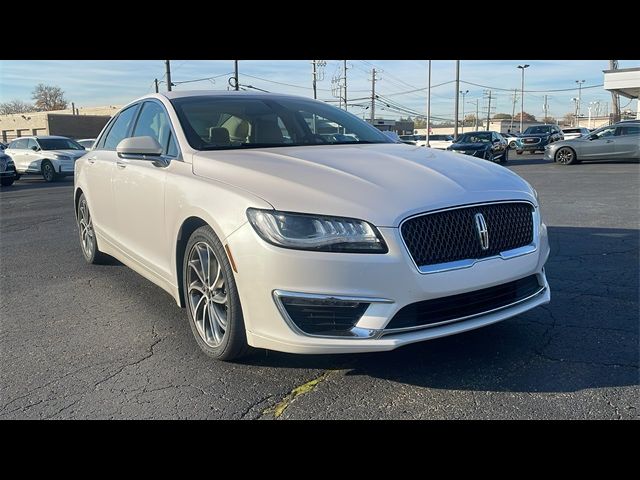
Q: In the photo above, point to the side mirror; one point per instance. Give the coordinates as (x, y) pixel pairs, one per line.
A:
(35, 148)
(139, 148)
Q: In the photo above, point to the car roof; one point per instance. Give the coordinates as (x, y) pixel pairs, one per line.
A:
(225, 93)
(41, 137)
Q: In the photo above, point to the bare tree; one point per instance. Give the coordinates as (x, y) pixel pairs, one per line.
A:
(48, 97)
(15, 106)
(549, 120)
(526, 116)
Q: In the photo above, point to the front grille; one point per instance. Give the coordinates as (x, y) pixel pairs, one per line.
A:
(452, 235)
(430, 312)
(531, 140)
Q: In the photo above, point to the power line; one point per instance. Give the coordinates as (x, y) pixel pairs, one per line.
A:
(532, 91)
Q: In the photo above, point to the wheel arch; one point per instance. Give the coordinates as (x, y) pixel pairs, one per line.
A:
(76, 200)
(188, 226)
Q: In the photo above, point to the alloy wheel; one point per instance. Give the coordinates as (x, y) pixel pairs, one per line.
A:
(47, 172)
(565, 156)
(87, 235)
(207, 294)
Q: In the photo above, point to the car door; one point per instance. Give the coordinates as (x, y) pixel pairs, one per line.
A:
(99, 170)
(139, 191)
(32, 155)
(600, 145)
(627, 141)
(16, 151)
(497, 145)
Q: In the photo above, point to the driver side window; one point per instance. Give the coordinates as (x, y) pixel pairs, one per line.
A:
(607, 132)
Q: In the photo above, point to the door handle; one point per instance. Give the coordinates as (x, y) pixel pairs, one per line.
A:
(92, 160)
(121, 165)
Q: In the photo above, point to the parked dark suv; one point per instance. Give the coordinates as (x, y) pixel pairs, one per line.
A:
(488, 145)
(537, 137)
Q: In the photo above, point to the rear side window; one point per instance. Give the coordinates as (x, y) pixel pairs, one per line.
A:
(628, 130)
(120, 128)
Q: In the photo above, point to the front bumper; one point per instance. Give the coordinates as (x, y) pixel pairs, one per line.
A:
(263, 269)
(520, 145)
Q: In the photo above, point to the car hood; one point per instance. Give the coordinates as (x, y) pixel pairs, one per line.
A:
(68, 153)
(382, 183)
(469, 146)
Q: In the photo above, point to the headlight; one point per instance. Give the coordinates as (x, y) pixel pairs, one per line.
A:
(316, 232)
(62, 157)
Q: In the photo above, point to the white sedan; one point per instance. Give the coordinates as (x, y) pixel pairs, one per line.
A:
(273, 236)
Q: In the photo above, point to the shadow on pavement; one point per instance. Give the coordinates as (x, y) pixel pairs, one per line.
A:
(33, 183)
(587, 337)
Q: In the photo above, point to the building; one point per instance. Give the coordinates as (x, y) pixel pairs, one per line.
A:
(625, 82)
(87, 123)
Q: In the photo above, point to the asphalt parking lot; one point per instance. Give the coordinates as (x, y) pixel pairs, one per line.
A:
(89, 342)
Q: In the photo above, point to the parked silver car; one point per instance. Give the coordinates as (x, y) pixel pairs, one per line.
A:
(52, 157)
(7, 170)
(618, 141)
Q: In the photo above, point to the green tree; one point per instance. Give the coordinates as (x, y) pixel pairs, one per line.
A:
(502, 116)
(48, 97)
(15, 106)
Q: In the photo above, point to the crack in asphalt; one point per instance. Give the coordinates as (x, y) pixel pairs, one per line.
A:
(253, 405)
(149, 354)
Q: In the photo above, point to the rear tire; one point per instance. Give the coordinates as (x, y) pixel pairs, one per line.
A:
(519, 152)
(211, 295)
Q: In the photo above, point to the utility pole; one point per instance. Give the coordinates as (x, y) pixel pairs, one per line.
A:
(477, 114)
(455, 126)
(314, 74)
(373, 95)
(615, 99)
(489, 112)
(235, 65)
(513, 110)
(546, 107)
(167, 65)
(464, 94)
(428, 104)
(579, 82)
(156, 82)
(522, 67)
(575, 114)
(345, 85)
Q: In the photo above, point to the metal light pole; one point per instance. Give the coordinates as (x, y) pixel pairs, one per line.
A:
(522, 99)
(463, 96)
(579, 82)
(455, 125)
(429, 104)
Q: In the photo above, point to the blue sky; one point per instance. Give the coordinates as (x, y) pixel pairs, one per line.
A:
(115, 82)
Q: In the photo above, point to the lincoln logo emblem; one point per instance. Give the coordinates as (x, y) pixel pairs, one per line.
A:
(483, 233)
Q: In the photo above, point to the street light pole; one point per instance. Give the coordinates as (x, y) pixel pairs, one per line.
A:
(463, 97)
(579, 82)
(522, 67)
(455, 125)
(429, 104)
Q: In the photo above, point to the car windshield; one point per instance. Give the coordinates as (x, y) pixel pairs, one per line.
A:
(223, 123)
(538, 129)
(572, 130)
(478, 137)
(59, 144)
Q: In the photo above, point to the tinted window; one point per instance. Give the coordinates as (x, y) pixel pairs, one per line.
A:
(58, 144)
(629, 130)
(119, 129)
(605, 132)
(477, 137)
(19, 144)
(538, 129)
(153, 122)
(224, 122)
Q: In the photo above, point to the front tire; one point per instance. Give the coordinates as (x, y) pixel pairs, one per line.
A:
(488, 156)
(213, 303)
(88, 242)
(505, 156)
(7, 182)
(519, 152)
(48, 172)
(565, 156)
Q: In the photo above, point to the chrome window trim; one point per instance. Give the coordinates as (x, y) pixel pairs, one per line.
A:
(357, 332)
(392, 331)
(470, 262)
